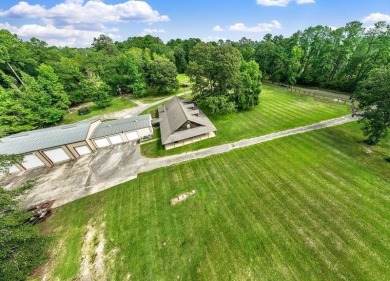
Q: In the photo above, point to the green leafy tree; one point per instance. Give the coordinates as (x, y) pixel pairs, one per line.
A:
(21, 247)
(49, 83)
(104, 44)
(14, 116)
(131, 68)
(162, 74)
(98, 90)
(293, 65)
(249, 94)
(6, 161)
(70, 76)
(180, 59)
(220, 104)
(215, 72)
(373, 97)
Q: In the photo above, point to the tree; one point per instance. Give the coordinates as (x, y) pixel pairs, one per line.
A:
(49, 83)
(249, 94)
(162, 74)
(104, 43)
(70, 76)
(215, 72)
(14, 116)
(6, 161)
(180, 60)
(21, 247)
(131, 68)
(293, 65)
(98, 90)
(373, 97)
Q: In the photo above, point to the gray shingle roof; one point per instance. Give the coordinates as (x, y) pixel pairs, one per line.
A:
(44, 138)
(122, 125)
(176, 113)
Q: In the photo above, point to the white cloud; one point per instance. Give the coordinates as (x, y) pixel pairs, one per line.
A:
(301, 2)
(91, 11)
(151, 31)
(64, 36)
(375, 17)
(218, 28)
(76, 22)
(261, 27)
(282, 3)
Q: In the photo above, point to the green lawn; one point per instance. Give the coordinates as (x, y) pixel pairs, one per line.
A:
(153, 96)
(313, 206)
(116, 105)
(183, 78)
(279, 109)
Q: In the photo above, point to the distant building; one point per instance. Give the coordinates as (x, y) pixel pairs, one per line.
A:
(45, 147)
(183, 122)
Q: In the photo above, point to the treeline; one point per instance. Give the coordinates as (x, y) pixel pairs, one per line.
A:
(38, 83)
(322, 56)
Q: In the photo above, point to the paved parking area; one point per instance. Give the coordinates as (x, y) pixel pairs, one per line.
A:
(69, 181)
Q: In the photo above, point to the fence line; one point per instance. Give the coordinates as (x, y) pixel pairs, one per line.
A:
(308, 92)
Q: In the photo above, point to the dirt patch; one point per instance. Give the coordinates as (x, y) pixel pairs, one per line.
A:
(92, 253)
(368, 150)
(182, 197)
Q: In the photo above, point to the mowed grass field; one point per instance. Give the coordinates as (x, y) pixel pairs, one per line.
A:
(279, 110)
(314, 206)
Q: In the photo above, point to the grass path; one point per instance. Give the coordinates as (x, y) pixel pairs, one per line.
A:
(117, 104)
(313, 206)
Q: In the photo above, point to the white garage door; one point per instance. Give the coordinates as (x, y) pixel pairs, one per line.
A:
(83, 150)
(13, 169)
(32, 161)
(57, 155)
(145, 132)
(131, 136)
(102, 142)
(116, 139)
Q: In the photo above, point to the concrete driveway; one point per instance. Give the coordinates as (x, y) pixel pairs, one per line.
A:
(69, 181)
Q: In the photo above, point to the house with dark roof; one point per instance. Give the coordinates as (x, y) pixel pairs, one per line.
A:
(183, 122)
(45, 147)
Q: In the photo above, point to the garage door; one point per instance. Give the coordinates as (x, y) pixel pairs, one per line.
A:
(13, 169)
(131, 136)
(116, 139)
(57, 155)
(83, 150)
(32, 161)
(102, 142)
(143, 132)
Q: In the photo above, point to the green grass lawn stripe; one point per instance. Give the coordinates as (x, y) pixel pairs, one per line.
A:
(312, 206)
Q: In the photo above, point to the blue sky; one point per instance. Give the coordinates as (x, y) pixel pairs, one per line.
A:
(76, 22)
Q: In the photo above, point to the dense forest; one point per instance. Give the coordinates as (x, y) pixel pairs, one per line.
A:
(38, 83)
